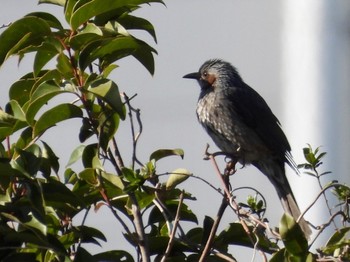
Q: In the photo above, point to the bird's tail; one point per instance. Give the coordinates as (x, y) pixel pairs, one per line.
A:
(277, 176)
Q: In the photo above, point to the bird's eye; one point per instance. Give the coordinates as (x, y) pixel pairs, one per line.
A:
(205, 74)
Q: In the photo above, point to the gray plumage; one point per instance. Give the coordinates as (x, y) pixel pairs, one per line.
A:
(242, 125)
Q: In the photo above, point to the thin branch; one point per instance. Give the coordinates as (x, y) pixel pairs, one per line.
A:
(316, 198)
(223, 256)
(109, 204)
(135, 136)
(213, 230)
(142, 239)
(5, 25)
(218, 190)
(173, 232)
(82, 223)
(117, 159)
(230, 169)
(325, 225)
(324, 194)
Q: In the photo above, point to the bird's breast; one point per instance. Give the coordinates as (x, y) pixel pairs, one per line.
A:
(227, 130)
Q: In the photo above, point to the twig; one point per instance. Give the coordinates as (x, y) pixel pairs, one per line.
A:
(216, 167)
(324, 194)
(5, 25)
(82, 223)
(232, 202)
(323, 227)
(218, 190)
(213, 230)
(117, 161)
(172, 235)
(135, 137)
(223, 256)
(110, 206)
(316, 198)
(135, 208)
(142, 239)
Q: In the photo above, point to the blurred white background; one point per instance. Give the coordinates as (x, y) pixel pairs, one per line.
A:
(294, 53)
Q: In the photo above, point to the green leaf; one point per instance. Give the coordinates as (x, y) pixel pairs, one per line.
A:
(279, 256)
(25, 32)
(144, 199)
(98, 7)
(6, 119)
(89, 153)
(285, 256)
(157, 245)
(89, 234)
(108, 48)
(337, 240)
(46, 52)
(68, 9)
(89, 175)
(108, 125)
(162, 153)
(82, 255)
(107, 70)
(20, 90)
(58, 196)
(29, 160)
(108, 92)
(50, 155)
(35, 223)
(114, 180)
(292, 236)
(129, 174)
(145, 57)
(90, 33)
(53, 76)
(8, 124)
(114, 255)
(16, 110)
(70, 177)
(185, 213)
(7, 175)
(48, 18)
(64, 66)
(55, 2)
(57, 114)
(86, 130)
(207, 227)
(76, 155)
(177, 177)
(133, 22)
(40, 97)
(111, 49)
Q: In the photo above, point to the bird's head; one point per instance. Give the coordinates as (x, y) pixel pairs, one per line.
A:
(216, 74)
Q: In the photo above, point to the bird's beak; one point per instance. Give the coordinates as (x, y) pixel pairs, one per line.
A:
(195, 75)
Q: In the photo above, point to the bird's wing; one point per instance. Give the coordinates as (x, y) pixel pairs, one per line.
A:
(256, 114)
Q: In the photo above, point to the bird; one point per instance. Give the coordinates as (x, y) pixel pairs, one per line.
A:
(242, 125)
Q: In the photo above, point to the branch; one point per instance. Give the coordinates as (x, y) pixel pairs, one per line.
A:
(135, 136)
(317, 197)
(172, 236)
(325, 225)
(103, 193)
(5, 25)
(213, 230)
(230, 169)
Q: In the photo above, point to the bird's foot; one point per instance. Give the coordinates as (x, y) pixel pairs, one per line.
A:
(230, 167)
